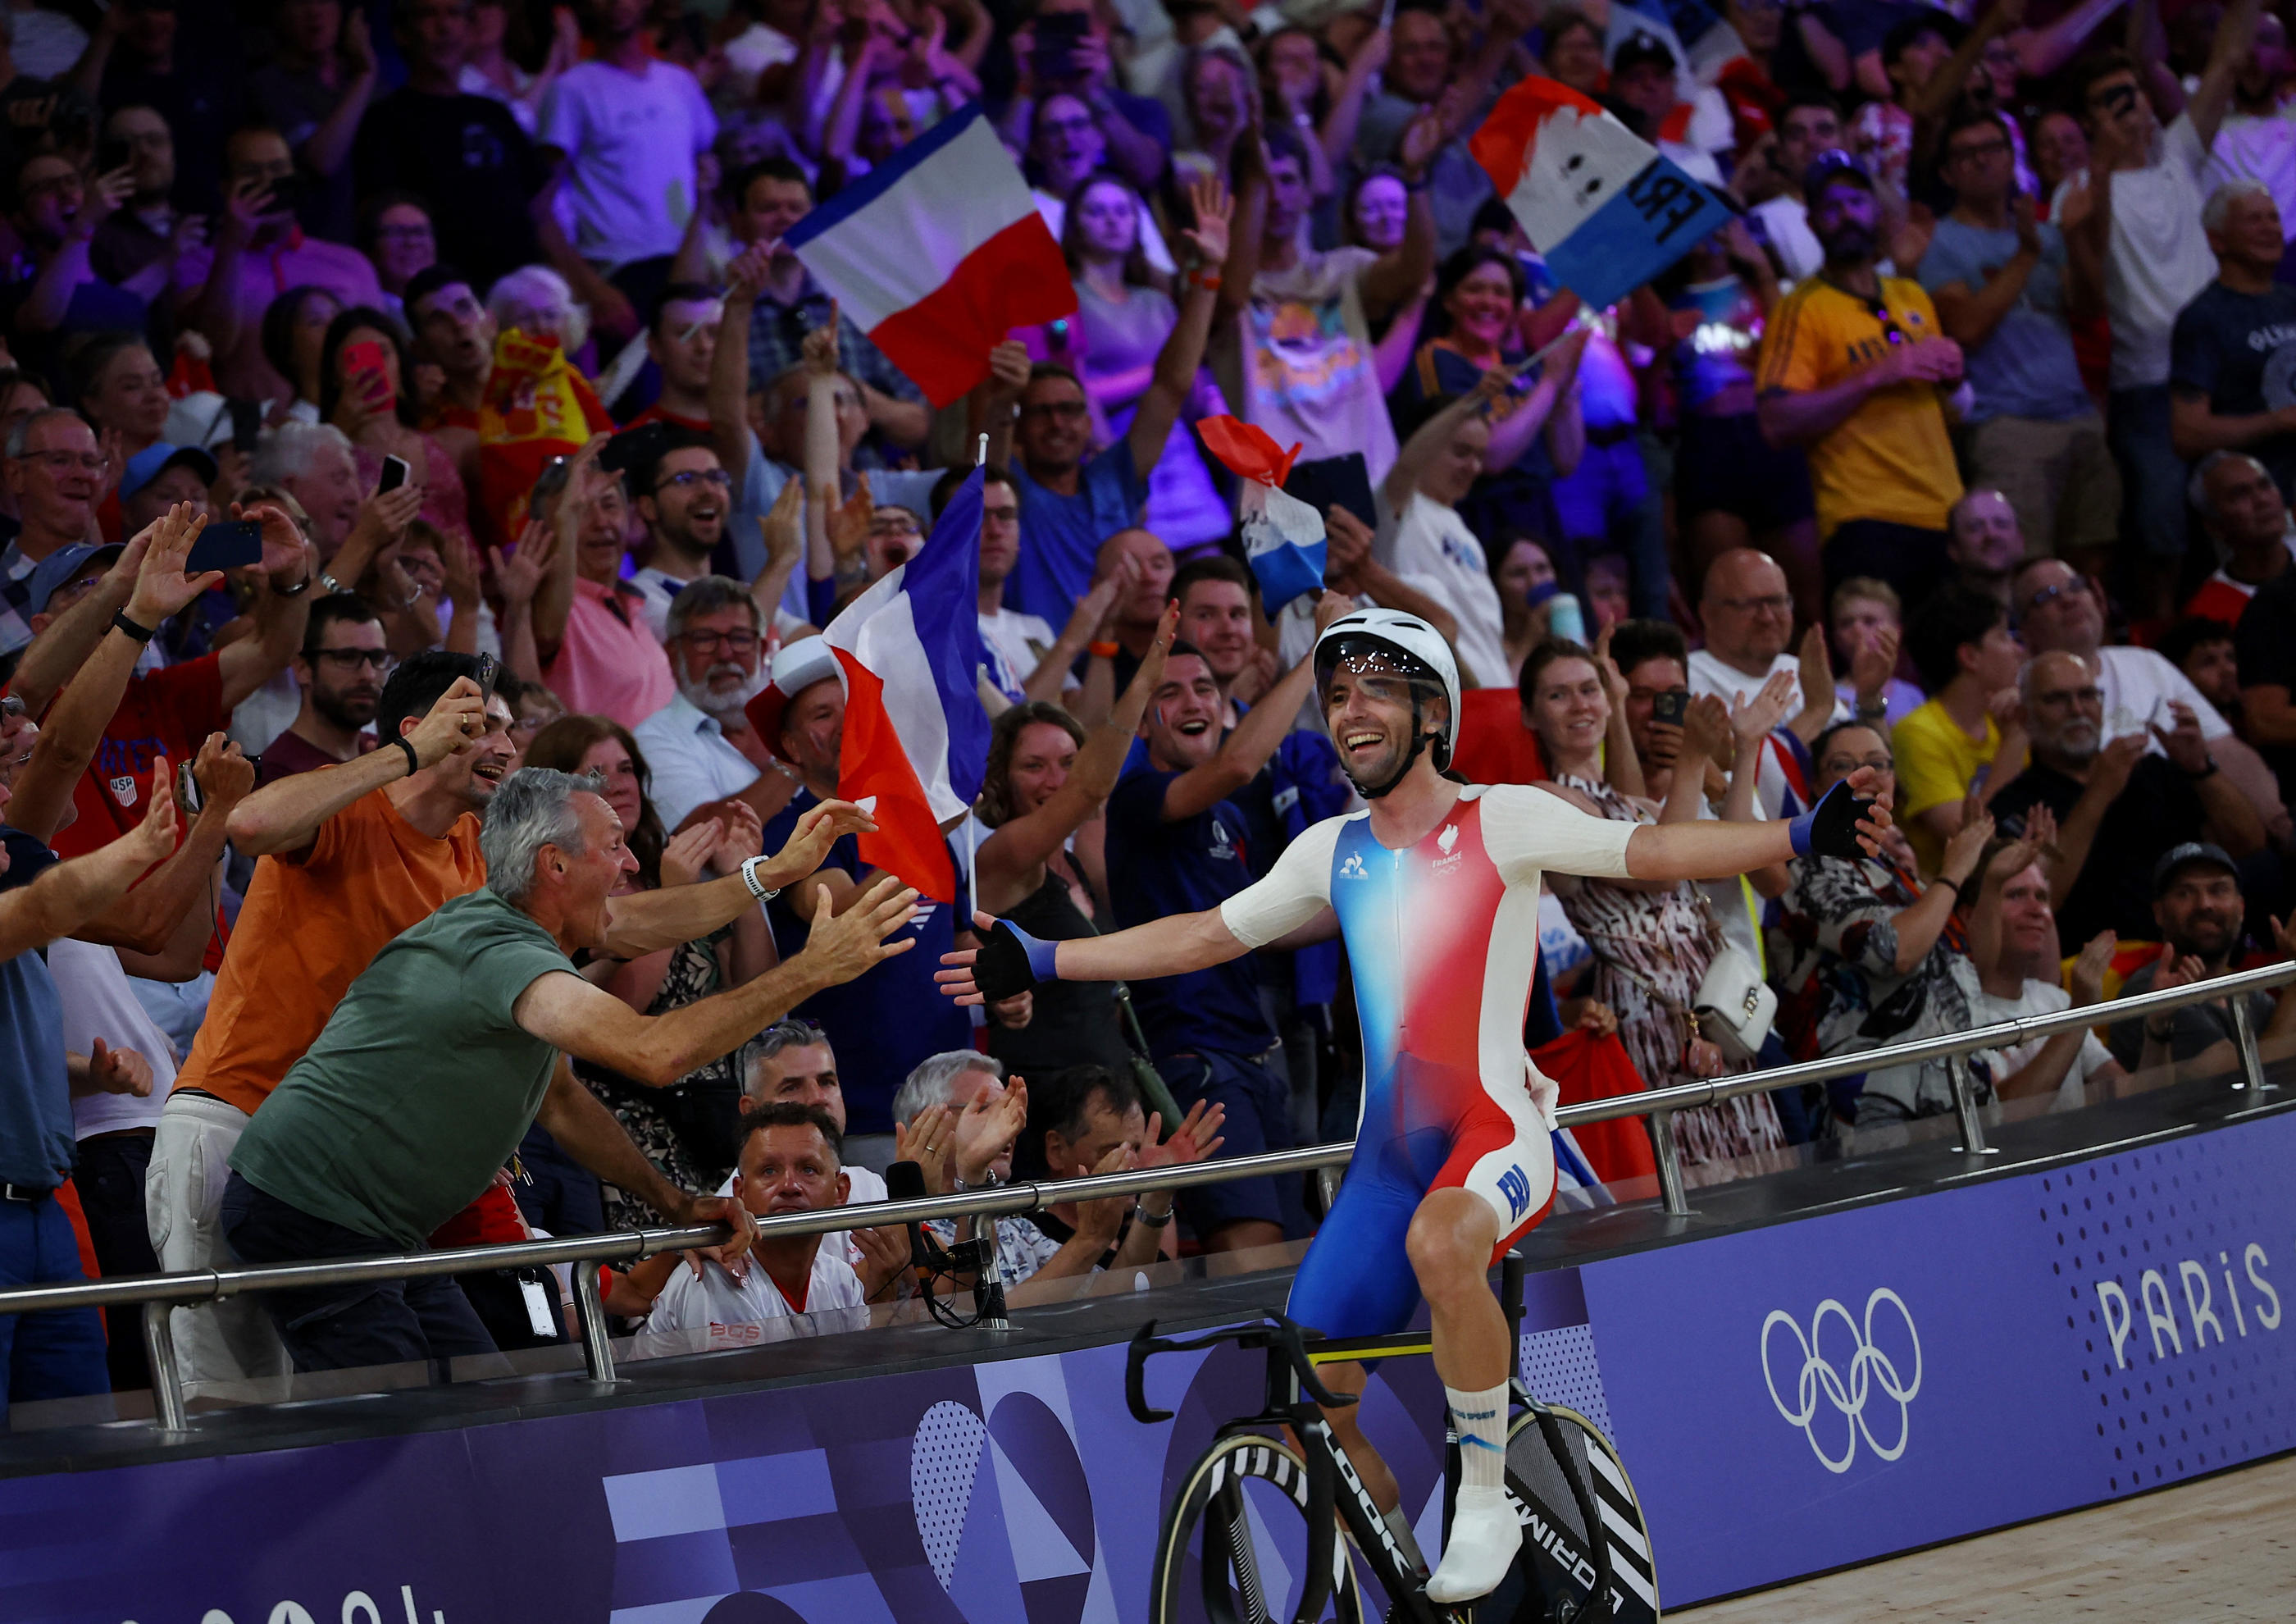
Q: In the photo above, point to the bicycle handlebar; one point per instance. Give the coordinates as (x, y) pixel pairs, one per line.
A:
(1272, 1331)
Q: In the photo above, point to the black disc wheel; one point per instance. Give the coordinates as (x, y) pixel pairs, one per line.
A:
(1234, 1548)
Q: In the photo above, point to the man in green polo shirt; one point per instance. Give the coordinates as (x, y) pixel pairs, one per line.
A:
(449, 1046)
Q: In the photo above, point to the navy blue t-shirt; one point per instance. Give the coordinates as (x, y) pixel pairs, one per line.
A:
(2239, 350)
(35, 1114)
(882, 1024)
(1157, 868)
(1060, 535)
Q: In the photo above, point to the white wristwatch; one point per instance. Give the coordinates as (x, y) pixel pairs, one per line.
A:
(749, 867)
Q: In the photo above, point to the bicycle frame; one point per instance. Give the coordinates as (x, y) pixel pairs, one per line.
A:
(1294, 1397)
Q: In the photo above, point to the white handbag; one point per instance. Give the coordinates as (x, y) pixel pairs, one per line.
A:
(1735, 1007)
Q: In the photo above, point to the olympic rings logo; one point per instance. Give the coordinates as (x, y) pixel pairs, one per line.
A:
(1871, 1370)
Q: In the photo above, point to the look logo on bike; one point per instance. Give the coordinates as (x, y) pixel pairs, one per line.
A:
(1434, 889)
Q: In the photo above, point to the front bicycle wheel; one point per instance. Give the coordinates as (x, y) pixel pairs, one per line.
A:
(1235, 1544)
(1554, 1581)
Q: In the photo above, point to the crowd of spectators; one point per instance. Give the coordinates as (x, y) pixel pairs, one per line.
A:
(468, 855)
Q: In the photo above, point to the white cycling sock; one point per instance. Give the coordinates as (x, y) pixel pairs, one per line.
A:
(1481, 1420)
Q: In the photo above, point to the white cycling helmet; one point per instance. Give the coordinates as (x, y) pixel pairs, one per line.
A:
(1415, 649)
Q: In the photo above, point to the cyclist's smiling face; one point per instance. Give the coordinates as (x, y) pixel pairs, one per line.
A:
(1183, 724)
(1367, 705)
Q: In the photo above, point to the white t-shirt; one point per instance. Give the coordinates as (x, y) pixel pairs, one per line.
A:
(1431, 548)
(2040, 999)
(2159, 258)
(2258, 148)
(865, 1187)
(1308, 373)
(631, 140)
(2138, 685)
(99, 1003)
(736, 1313)
(1015, 642)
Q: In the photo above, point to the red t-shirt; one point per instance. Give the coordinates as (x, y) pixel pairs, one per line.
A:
(2223, 599)
(168, 713)
(654, 414)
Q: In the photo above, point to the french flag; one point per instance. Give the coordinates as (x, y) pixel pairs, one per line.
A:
(938, 253)
(915, 735)
(1284, 539)
(1596, 199)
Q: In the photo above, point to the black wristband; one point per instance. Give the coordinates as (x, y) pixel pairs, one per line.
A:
(414, 761)
(2205, 774)
(1949, 879)
(142, 634)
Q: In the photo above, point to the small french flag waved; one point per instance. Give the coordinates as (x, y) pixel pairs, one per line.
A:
(1283, 537)
(915, 736)
(1597, 200)
(938, 253)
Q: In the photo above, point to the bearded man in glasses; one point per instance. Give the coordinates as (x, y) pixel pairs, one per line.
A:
(701, 747)
(341, 669)
(1857, 370)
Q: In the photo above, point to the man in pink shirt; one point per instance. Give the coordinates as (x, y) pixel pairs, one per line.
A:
(591, 637)
(260, 252)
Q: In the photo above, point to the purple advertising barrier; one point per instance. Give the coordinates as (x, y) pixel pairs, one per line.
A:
(1826, 1391)
(1015, 1492)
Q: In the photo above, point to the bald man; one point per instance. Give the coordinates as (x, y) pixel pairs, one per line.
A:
(1984, 542)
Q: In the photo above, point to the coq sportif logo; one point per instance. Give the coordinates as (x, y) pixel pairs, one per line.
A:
(1834, 1376)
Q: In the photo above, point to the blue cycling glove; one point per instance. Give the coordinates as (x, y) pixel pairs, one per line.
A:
(1012, 961)
(1830, 828)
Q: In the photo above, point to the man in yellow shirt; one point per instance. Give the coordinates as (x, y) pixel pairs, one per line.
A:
(1857, 371)
(1970, 734)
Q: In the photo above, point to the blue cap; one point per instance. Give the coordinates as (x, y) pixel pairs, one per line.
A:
(61, 567)
(156, 458)
(1830, 165)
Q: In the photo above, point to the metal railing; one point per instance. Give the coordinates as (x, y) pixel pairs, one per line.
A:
(157, 1293)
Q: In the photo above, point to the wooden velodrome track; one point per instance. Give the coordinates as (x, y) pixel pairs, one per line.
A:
(2223, 1548)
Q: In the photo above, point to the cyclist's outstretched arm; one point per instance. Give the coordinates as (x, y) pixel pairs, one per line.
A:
(1721, 850)
(1173, 945)
(1293, 893)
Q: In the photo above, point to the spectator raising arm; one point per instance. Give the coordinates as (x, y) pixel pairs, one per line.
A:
(728, 392)
(2206, 110)
(284, 816)
(1350, 568)
(1011, 861)
(1183, 351)
(1398, 275)
(644, 922)
(67, 897)
(1255, 739)
(156, 588)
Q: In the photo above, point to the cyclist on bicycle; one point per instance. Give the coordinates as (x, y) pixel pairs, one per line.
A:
(1435, 890)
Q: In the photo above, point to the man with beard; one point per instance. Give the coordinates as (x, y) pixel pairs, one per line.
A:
(681, 493)
(700, 746)
(2117, 807)
(341, 670)
(1852, 369)
(2202, 918)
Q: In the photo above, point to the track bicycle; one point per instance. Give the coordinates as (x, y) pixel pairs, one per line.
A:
(1263, 1530)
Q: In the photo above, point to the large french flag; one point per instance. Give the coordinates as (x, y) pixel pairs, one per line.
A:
(1596, 199)
(915, 736)
(938, 253)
